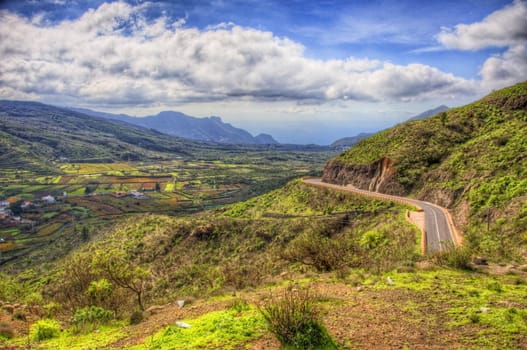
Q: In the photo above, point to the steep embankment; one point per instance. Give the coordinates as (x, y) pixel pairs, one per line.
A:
(471, 159)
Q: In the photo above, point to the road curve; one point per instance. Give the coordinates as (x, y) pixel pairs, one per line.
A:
(439, 228)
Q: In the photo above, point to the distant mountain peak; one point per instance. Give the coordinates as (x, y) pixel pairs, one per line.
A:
(265, 139)
(430, 112)
(347, 142)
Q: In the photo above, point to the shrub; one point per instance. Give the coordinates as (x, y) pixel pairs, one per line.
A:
(314, 249)
(10, 288)
(100, 291)
(19, 315)
(495, 286)
(474, 317)
(51, 308)
(43, 329)
(240, 275)
(239, 305)
(296, 323)
(456, 257)
(90, 317)
(372, 239)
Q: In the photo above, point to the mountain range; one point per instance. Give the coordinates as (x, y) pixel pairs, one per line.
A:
(34, 136)
(211, 129)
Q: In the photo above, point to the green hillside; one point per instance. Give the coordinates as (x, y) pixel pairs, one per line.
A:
(236, 247)
(118, 285)
(358, 257)
(243, 244)
(37, 131)
(472, 159)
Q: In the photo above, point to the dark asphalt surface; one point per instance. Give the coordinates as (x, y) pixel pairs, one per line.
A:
(438, 233)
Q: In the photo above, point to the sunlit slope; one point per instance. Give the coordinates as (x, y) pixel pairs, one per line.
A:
(472, 159)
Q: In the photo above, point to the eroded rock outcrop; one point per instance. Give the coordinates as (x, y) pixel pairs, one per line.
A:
(379, 176)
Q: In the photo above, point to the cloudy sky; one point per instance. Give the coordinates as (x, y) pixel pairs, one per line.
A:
(304, 71)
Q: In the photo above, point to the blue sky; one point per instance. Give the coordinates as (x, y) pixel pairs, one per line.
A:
(304, 71)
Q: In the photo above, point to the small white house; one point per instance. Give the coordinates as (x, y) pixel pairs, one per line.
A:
(49, 199)
(137, 194)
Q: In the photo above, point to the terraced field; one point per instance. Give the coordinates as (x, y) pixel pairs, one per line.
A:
(89, 196)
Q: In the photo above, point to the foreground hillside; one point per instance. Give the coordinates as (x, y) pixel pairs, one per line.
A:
(356, 258)
(471, 159)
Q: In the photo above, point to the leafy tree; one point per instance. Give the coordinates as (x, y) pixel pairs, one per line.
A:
(117, 268)
(100, 291)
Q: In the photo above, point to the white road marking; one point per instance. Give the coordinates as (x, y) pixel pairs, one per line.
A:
(437, 230)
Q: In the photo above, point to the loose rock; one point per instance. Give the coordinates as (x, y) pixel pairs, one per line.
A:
(183, 324)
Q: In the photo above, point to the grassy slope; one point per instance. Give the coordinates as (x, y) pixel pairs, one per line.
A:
(52, 132)
(239, 248)
(472, 159)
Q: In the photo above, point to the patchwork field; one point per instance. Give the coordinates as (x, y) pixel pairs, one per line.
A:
(89, 195)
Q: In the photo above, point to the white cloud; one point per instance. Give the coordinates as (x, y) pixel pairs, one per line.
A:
(502, 28)
(114, 55)
(505, 69)
(506, 28)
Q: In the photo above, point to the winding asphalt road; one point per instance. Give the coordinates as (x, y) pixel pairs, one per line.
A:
(438, 226)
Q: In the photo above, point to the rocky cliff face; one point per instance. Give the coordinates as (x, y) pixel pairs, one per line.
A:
(379, 176)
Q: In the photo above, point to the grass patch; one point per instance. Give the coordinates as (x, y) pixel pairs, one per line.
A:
(67, 340)
(44, 329)
(227, 329)
(49, 229)
(492, 304)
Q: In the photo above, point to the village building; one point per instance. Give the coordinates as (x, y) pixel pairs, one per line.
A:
(4, 213)
(49, 199)
(148, 186)
(13, 199)
(137, 194)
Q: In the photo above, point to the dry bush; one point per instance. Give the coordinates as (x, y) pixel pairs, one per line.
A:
(295, 321)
